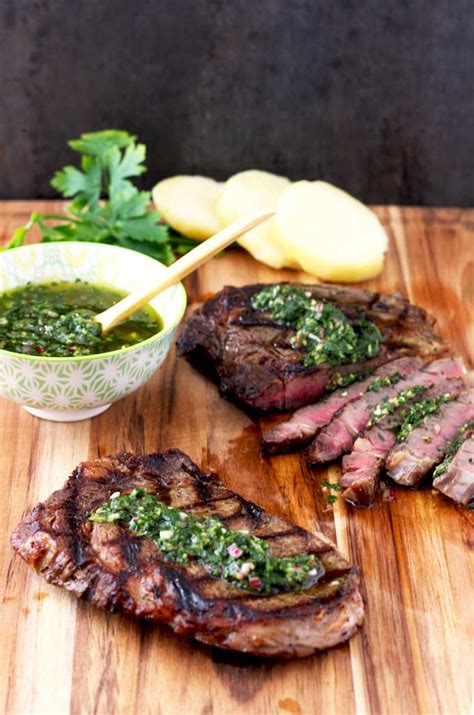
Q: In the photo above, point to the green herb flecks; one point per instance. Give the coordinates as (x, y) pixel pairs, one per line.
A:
(344, 380)
(331, 487)
(58, 320)
(418, 412)
(323, 330)
(386, 381)
(234, 556)
(391, 404)
(453, 448)
(106, 207)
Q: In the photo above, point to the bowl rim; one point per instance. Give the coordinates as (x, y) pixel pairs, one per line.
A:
(120, 351)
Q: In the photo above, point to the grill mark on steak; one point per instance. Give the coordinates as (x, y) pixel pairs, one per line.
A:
(280, 534)
(203, 488)
(70, 511)
(130, 549)
(255, 363)
(189, 599)
(116, 570)
(254, 512)
(209, 501)
(338, 437)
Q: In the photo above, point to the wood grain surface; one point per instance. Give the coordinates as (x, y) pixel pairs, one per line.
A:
(414, 653)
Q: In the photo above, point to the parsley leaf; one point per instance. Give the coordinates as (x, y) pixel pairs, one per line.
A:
(98, 143)
(106, 206)
(85, 185)
(331, 485)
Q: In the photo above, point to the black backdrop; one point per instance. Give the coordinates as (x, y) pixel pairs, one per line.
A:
(376, 96)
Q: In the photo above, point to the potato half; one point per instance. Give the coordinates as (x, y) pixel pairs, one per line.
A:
(188, 203)
(248, 192)
(330, 234)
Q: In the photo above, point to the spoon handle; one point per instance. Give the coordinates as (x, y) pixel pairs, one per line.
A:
(178, 270)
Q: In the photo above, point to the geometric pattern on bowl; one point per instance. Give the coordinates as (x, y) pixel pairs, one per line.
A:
(68, 384)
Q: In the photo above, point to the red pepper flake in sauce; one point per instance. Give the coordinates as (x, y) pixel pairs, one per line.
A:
(234, 551)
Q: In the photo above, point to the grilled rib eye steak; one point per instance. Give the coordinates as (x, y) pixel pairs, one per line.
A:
(107, 564)
(338, 437)
(304, 424)
(457, 481)
(255, 363)
(427, 445)
(362, 467)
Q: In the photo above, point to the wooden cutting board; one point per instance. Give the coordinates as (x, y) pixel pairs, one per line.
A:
(414, 653)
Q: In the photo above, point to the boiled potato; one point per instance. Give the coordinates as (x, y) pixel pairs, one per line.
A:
(329, 233)
(248, 192)
(187, 203)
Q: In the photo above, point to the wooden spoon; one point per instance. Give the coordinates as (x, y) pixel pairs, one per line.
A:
(185, 265)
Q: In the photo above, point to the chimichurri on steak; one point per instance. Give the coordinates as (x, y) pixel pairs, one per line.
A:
(323, 330)
(235, 556)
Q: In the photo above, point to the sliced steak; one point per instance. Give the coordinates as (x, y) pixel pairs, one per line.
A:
(426, 446)
(456, 480)
(340, 434)
(301, 428)
(111, 566)
(255, 362)
(362, 467)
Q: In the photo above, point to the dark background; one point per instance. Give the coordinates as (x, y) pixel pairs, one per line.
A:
(375, 96)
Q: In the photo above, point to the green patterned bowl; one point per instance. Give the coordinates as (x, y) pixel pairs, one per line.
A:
(70, 389)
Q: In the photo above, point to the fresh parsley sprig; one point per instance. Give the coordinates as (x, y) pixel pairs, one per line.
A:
(106, 207)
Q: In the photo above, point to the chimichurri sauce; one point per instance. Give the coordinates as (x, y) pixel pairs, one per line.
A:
(391, 404)
(57, 320)
(418, 412)
(231, 555)
(323, 331)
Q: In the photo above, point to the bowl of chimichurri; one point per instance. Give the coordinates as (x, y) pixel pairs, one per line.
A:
(54, 361)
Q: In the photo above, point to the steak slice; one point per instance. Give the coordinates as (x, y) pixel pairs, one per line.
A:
(457, 480)
(426, 446)
(362, 467)
(340, 434)
(301, 428)
(255, 363)
(109, 565)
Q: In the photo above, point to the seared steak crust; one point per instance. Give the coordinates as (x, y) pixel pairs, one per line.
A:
(252, 357)
(111, 567)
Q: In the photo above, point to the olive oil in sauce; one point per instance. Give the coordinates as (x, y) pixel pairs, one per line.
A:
(57, 320)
